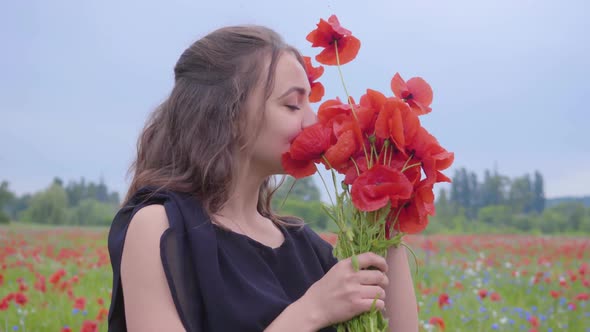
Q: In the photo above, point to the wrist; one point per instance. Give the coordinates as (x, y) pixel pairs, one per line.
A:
(309, 317)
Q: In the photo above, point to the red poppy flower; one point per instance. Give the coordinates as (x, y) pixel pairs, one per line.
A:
(334, 111)
(103, 313)
(534, 321)
(482, 293)
(329, 33)
(297, 168)
(310, 143)
(353, 171)
(4, 304)
(434, 157)
(80, 303)
(495, 297)
(409, 220)
(443, 300)
(54, 278)
(379, 185)
(345, 147)
(438, 322)
(89, 326)
(20, 298)
(397, 122)
(416, 92)
(313, 73)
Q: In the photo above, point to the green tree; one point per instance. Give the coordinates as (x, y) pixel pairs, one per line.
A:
(303, 189)
(520, 195)
(495, 215)
(91, 212)
(48, 206)
(6, 199)
(311, 212)
(538, 193)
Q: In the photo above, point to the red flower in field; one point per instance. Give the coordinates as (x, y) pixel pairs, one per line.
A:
(443, 300)
(458, 285)
(66, 329)
(572, 306)
(80, 303)
(89, 326)
(495, 297)
(555, 294)
(438, 322)
(1, 279)
(534, 321)
(100, 301)
(313, 73)
(416, 92)
(20, 298)
(22, 286)
(54, 278)
(482, 293)
(102, 314)
(4, 304)
(584, 268)
(379, 185)
(563, 283)
(329, 33)
(583, 297)
(40, 284)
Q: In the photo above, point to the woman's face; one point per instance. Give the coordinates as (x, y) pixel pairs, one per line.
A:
(287, 112)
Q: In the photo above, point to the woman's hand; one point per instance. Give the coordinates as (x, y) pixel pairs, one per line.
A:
(344, 293)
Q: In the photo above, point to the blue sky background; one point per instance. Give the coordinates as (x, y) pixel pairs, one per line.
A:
(510, 77)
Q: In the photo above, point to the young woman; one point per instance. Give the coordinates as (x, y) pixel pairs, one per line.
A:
(196, 245)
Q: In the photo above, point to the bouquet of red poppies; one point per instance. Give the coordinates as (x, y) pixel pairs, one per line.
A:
(390, 163)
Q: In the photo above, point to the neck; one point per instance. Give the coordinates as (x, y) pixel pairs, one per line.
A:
(242, 203)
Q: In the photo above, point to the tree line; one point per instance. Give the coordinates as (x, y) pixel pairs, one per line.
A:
(78, 203)
(496, 203)
(499, 203)
(83, 203)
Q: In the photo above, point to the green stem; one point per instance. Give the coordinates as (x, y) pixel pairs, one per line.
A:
(410, 166)
(326, 186)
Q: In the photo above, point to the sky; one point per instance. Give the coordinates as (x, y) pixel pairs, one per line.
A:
(510, 77)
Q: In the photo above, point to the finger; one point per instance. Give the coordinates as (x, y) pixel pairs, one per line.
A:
(372, 277)
(372, 292)
(368, 259)
(367, 304)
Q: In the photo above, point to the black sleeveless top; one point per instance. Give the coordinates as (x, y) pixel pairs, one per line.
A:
(220, 280)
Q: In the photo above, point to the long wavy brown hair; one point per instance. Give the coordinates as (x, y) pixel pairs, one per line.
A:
(190, 142)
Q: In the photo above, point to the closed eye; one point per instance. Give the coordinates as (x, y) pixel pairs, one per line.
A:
(293, 107)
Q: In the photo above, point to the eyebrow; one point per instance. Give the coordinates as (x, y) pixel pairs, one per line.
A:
(300, 90)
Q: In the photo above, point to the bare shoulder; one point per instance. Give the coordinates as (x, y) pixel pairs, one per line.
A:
(147, 298)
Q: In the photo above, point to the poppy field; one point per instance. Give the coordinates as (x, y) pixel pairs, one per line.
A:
(59, 279)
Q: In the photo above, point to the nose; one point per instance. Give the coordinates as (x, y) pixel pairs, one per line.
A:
(310, 118)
